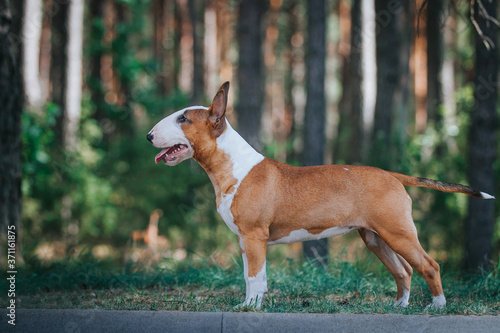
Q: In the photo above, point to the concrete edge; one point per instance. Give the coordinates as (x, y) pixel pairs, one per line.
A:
(74, 321)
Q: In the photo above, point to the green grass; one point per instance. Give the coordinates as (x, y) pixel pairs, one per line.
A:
(341, 287)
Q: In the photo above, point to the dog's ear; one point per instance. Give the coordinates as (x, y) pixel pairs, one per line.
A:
(218, 110)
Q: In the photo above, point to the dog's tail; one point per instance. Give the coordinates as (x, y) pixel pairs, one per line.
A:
(440, 186)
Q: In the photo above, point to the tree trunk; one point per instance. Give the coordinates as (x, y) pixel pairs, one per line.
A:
(435, 49)
(11, 99)
(435, 60)
(483, 144)
(350, 128)
(185, 46)
(59, 60)
(369, 75)
(196, 12)
(388, 78)
(95, 80)
(226, 32)
(32, 30)
(73, 72)
(402, 97)
(211, 49)
(448, 71)
(292, 59)
(72, 107)
(162, 47)
(121, 64)
(250, 79)
(315, 112)
(178, 50)
(46, 49)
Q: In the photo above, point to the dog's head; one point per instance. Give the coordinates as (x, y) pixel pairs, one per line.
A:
(190, 132)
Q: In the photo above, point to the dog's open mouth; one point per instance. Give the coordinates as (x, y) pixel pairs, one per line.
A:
(170, 154)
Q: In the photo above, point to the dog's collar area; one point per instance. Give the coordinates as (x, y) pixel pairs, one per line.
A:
(170, 154)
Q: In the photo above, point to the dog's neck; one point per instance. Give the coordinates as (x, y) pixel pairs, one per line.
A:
(229, 162)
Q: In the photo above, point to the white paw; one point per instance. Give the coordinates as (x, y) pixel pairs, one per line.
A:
(254, 301)
(403, 301)
(438, 302)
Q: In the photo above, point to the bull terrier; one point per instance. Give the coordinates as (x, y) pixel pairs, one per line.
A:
(266, 202)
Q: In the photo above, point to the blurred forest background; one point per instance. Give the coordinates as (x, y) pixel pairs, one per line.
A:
(409, 86)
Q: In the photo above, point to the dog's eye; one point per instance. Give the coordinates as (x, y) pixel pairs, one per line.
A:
(182, 119)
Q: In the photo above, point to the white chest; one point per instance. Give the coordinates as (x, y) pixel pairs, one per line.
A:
(243, 158)
(224, 211)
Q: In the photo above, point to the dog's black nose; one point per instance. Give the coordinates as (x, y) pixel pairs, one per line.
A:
(150, 137)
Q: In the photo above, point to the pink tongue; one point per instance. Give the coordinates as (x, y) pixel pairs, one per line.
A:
(161, 154)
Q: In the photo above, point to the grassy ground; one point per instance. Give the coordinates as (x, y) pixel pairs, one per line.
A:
(342, 287)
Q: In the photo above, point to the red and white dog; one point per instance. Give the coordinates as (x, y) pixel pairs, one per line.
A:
(266, 202)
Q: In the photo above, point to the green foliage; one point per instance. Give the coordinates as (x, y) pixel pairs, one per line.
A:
(50, 173)
(112, 181)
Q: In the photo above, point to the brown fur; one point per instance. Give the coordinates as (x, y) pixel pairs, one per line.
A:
(276, 199)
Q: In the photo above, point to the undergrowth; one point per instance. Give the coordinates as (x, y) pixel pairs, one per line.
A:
(339, 287)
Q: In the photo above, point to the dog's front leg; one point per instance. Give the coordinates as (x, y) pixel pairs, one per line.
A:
(253, 251)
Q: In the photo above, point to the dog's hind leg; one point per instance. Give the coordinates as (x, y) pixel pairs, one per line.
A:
(406, 244)
(399, 268)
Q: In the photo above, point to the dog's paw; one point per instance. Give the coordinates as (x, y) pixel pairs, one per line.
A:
(402, 302)
(254, 302)
(438, 303)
